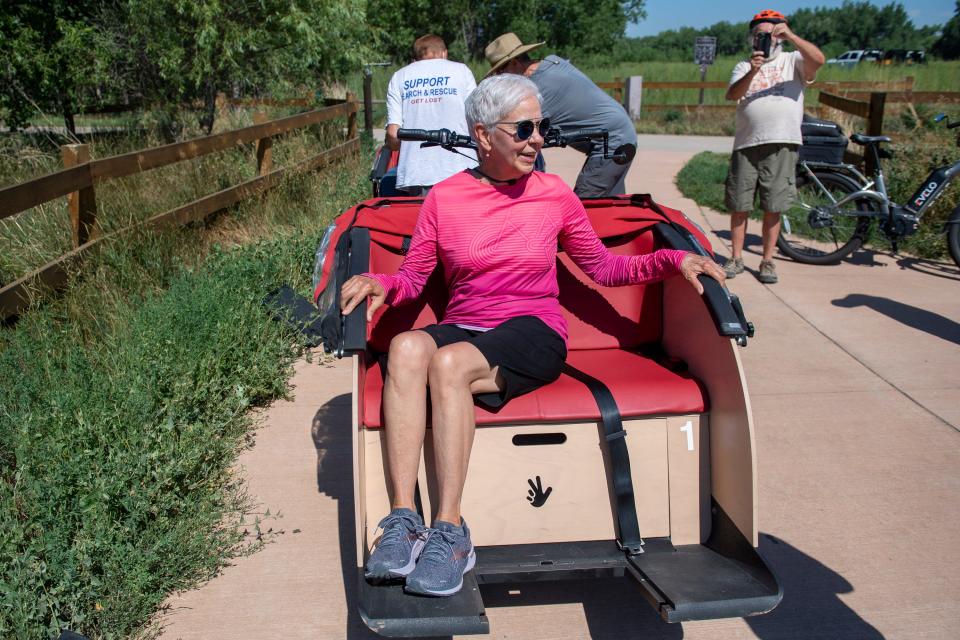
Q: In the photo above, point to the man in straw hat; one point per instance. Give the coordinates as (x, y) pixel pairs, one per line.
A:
(572, 101)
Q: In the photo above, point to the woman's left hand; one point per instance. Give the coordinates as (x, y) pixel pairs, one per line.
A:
(693, 265)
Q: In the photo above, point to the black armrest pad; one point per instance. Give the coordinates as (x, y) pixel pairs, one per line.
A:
(715, 296)
(355, 324)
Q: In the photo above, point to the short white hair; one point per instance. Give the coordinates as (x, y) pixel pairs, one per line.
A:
(497, 96)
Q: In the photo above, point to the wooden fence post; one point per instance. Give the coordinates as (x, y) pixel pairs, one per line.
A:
(875, 124)
(633, 94)
(82, 203)
(264, 147)
(368, 100)
(352, 118)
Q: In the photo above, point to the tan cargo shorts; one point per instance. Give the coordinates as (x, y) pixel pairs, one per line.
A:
(770, 169)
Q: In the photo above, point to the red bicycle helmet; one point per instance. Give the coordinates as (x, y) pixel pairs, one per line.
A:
(767, 15)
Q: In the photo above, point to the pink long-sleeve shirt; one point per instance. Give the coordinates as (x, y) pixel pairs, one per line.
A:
(498, 248)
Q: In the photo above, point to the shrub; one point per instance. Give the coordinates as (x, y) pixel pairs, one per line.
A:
(126, 402)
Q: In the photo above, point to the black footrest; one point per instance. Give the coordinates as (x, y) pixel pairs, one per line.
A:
(390, 612)
(722, 578)
(549, 561)
(697, 583)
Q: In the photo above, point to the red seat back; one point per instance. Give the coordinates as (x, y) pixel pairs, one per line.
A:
(389, 321)
(598, 317)
(610, 317)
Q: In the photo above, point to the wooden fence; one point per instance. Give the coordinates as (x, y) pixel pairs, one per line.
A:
(865, 99)
(871, 110)
(898, 91)
(616, 88)
(80, 176)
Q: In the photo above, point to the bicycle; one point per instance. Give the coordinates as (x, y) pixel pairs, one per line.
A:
(841, 203)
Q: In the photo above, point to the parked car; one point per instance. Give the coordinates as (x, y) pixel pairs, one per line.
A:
(855, 56)
(904, 56)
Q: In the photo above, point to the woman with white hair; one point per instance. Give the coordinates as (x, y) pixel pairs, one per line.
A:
(494, 230)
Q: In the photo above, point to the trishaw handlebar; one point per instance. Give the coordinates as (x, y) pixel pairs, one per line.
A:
(437, 137)
(555, 137)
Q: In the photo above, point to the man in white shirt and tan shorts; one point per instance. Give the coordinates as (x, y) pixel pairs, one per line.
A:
(769, 94)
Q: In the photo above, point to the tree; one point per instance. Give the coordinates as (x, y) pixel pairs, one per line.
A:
(568, 26)
(859, 25)
(948, 46)
(45, 53)
(853, 25)
(177, 52)
(61, 55)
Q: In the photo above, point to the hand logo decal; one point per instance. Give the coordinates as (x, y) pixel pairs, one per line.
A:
(537, 496)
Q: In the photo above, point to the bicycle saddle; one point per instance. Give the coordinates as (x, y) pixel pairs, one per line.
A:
(865, 140)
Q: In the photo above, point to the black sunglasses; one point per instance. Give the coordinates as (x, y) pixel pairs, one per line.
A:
(525, 127)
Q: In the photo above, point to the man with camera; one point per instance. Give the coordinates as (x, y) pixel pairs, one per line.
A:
(768, 89)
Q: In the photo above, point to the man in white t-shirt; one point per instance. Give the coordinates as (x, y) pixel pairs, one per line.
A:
(768, 89)
(428, 94)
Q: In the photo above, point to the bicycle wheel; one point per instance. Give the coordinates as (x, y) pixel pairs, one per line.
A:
(953, 242)
(839, 235)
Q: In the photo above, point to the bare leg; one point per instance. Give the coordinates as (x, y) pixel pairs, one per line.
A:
(771, 229)
(405, 410)
(456, 372)
(738, 232)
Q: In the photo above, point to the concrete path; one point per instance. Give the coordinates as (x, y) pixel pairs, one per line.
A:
(853, 378)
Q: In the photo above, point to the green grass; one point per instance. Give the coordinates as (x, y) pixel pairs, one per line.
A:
(34, 237)
(702, 180)
(126, 402)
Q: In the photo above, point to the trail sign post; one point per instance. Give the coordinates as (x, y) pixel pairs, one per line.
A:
(704, 53)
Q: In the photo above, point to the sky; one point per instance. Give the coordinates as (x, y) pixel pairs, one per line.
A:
(673, 14)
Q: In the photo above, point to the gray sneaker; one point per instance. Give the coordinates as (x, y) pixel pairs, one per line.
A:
(447, 557)
(396, 553)
(768, 272)
(732, 267)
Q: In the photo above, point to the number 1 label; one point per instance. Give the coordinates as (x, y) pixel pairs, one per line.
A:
(688, 428)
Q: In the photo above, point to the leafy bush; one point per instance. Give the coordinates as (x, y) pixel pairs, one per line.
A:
(126, 402)
(116, 457)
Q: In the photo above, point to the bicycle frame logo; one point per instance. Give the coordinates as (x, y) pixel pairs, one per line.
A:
(928, 191)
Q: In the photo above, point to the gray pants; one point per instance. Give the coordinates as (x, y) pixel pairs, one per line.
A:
(599, 178)
(415, 190)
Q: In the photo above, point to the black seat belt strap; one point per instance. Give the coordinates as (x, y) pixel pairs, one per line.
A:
(615, 437)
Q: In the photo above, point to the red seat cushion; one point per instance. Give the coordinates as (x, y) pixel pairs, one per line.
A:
(641, 386)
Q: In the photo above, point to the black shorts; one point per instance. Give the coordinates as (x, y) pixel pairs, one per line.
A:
(529, 353)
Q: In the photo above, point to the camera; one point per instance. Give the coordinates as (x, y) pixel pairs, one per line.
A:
(762, 42)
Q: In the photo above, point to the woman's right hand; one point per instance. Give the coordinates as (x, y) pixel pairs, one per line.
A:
(356, 290)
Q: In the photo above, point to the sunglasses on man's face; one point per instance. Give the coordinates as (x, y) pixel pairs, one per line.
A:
(525, 128)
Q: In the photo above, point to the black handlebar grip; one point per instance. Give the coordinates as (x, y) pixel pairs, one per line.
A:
(582, 133)
(425, 135)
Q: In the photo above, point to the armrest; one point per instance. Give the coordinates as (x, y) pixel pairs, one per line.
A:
(380, 163)
(724, 307)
